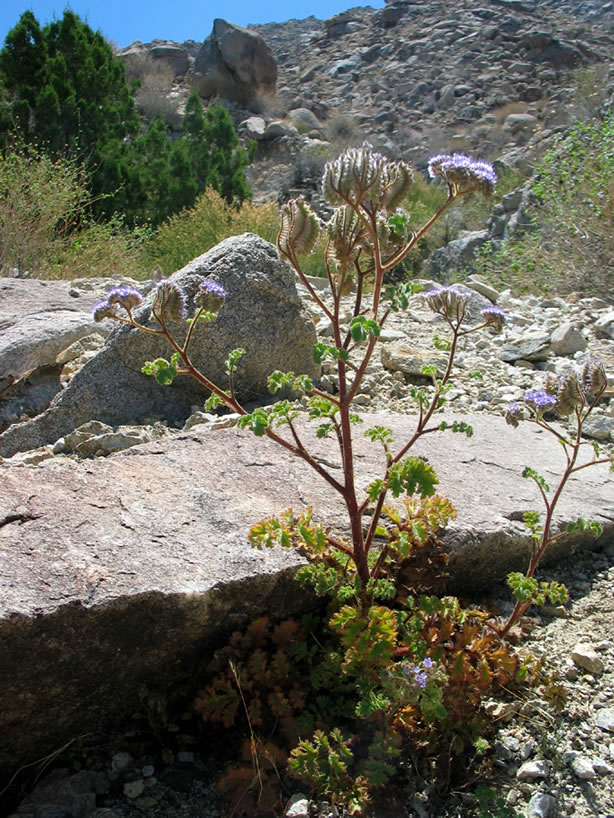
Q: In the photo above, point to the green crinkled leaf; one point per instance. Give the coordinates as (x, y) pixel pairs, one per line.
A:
(361, 327)
(233, 358)
(322, 351)
(257, 422)
(533, 475)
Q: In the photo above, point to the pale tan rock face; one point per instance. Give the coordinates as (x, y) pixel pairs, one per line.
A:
(235, 64)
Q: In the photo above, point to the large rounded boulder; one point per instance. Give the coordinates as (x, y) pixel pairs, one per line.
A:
(262, 314)
(235, 64)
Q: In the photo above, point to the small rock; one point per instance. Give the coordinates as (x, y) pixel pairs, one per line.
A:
(121, 761)
(533, 770)
(567, 340)
(298, 806)
(134, 789)
(602, 767)
(583, 768)
(605, 719)
(541, 805)
(586, 657)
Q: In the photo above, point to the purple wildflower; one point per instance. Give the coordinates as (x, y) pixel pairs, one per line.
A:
(493, 317)
(447, 301)
(104, 310)
(463, 173)
(211, 295)
(126, 297)
(540, 400)
(513, 414)
(421, 679)
(428, 662)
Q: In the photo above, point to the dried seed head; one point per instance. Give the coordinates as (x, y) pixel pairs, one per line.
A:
(169, 303)
(463, 173)
(299, 230)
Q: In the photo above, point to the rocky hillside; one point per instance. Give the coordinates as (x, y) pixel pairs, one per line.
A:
(495, 77)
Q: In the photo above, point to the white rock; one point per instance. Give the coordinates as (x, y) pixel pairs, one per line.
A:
(605, 719)
(533, 770)
(586, 657)
(583, 768)
(298, 806)
(541, 805)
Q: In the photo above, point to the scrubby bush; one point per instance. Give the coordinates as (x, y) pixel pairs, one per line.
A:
(573, 248)
(41, 201)
(196, 230)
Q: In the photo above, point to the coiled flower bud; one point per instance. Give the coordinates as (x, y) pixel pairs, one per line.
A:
(361, 175)
(493, 317)
(210, 295)
(569, 394)
(514, 414)
(104, 310)
(346, 237)
(169, 303)
(449, 302)
(593, 378)
(299, 230)
(463, 173)
(126, 297)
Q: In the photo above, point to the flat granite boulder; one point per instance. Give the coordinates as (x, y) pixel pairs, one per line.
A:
(125, 571)
(38, 320)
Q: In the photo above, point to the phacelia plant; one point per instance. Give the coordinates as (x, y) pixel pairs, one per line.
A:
(418, 665)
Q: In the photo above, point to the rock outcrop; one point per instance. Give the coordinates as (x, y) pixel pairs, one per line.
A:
(262, 314)
(235, 64)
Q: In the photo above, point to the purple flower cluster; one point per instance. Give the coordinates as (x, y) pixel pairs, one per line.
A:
(418, 674)
(126, 297)
(540, 400)
(493, 317)
(211, 295)
(464, 173)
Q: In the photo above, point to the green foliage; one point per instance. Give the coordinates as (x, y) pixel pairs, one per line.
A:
(163, 371)
(66, 89)
(195, 230)
(40, 200)
(491, 805)
(66, 93)
(574, 246)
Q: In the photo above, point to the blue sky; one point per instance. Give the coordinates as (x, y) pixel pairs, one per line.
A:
(123, 21)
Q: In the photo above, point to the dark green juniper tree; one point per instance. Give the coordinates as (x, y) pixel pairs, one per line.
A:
(63, 90)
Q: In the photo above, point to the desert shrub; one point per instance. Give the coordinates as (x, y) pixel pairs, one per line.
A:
(196, 230)
(152, 104)
(98, 250)
(41, 200)
(573, 249)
